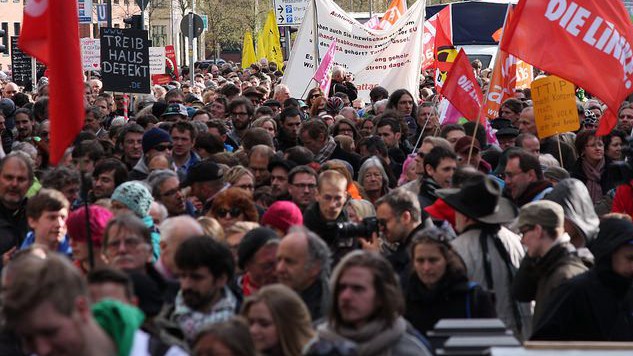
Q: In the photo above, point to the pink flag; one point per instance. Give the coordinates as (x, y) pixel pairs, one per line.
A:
(373, 22)
(323, 74)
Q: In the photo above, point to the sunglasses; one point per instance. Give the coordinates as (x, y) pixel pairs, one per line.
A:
(234, 212)
(161, 148)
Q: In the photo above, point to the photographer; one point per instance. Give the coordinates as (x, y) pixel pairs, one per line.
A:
(324, 215)
(399, 218)
(342, 83)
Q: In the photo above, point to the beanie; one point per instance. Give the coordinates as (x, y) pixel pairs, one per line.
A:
(76, 223)
(252, 242)
(135, 196)
(282, 215)
(153, 137)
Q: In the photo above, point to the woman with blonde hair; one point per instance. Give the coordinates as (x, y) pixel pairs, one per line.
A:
(359, 209)
(211, 227)
(280, 323)
(241, 177)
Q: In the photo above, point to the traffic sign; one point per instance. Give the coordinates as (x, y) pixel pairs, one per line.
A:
(198, 25)
(290, 12)
(84, 8)
(102, 13)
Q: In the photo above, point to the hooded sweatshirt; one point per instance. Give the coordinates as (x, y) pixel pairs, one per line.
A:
(120, 322)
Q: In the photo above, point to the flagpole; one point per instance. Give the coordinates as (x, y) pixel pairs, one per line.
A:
(472, 142)
(420, 136)
(315, 34)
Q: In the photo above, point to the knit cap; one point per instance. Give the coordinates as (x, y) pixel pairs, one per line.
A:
(282, 215)
(252, 242)
(153, 137)
(76, 223)
(135, 196)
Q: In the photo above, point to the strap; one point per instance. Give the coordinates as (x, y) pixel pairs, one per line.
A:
(483, 241)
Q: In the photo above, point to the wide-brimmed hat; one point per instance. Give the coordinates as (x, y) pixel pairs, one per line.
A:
(480, 198)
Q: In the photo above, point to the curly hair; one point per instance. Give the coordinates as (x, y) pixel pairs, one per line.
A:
(237, 198)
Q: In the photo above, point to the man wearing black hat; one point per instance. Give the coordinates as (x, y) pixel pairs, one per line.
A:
(175, 112)
(206, 179)
(154, 141)
(257, 258)
(506, 137)
(490, 251)
(596, 305)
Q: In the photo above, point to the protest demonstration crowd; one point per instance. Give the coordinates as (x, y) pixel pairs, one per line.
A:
(225, 215)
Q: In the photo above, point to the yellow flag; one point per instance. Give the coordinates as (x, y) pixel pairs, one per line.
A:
(262, 48)
(271, 32)
(248, 51)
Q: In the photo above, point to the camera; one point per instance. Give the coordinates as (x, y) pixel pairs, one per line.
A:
(363, 229)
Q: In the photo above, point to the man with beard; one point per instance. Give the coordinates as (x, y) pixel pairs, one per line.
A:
(206, 266)
(130, 142)
(16, 176)
(289, 125)
(107, 175)
(25, 125)
(279, 169)
(241, 112)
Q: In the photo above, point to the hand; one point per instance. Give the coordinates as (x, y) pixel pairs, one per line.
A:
(372, 245)
(6, 257)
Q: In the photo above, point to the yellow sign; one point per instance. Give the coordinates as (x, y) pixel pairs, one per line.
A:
(554, 106)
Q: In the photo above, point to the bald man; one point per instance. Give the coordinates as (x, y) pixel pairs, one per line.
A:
(173, 232)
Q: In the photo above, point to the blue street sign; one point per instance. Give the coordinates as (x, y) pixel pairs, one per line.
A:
(102, 12)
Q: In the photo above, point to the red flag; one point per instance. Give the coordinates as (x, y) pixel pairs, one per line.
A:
(444, 51)
(461, 88)
(52, 27)
(587, 42)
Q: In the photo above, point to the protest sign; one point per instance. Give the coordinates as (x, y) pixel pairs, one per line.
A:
(20, 64)
(156, 60)
(461, 88)
(554, 106)
(597, 30)
(125, 60)
(171, 68)
(90, 53)
(387, 58)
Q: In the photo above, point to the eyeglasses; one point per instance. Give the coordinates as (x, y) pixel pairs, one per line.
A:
(161, 148)
(235, 212)
(525, 229)
(128, 242)
(304, 186)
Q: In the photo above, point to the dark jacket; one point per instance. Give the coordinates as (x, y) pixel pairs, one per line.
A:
(534, 191)
(536, 279)
(350, 157)
(284, 141)
(453, 298)
(596, 305)
(346, 87)
(400, 259)
(13, 227)
(329, 232)
(315, 298)
(427, 195)
(550, 145)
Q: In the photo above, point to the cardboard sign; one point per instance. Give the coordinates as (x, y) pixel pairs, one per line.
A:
(156, 60)
(90, 53)
(125, 60)
(554, 106)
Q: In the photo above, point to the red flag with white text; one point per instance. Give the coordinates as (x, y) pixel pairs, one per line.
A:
(461, 88)
(52, 26)
(587, 42)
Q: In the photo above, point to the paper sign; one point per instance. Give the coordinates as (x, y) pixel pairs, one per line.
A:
(125, 60)
(554, 106)
(156, 60)
(91, 53)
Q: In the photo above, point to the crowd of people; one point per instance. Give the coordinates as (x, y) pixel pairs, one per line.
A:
(225, 217)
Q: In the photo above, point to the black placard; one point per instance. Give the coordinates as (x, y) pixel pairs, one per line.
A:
(125, 60)
(20, 64)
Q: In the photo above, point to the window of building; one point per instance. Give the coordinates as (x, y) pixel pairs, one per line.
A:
(159, 35)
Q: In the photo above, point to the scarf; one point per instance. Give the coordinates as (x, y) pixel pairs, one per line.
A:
(594, 176)
(374, 338)
(327, 150)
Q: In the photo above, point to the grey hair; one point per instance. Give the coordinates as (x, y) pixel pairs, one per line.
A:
(401, 200)
(158, 177)
(371, 162)
(318, 251)
(168, 226)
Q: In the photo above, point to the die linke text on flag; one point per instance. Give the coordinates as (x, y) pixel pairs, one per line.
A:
(586, 42)
(461, 88)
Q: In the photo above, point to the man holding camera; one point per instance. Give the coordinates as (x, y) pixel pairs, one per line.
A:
(342, 83)
(328, 211)
(399, 218)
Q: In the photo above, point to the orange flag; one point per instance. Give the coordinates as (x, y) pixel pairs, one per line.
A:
(587, 42)
(393, 13)
(461, 88)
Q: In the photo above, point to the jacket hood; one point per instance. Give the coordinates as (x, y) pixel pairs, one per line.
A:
(613, 234)
(574, 197)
